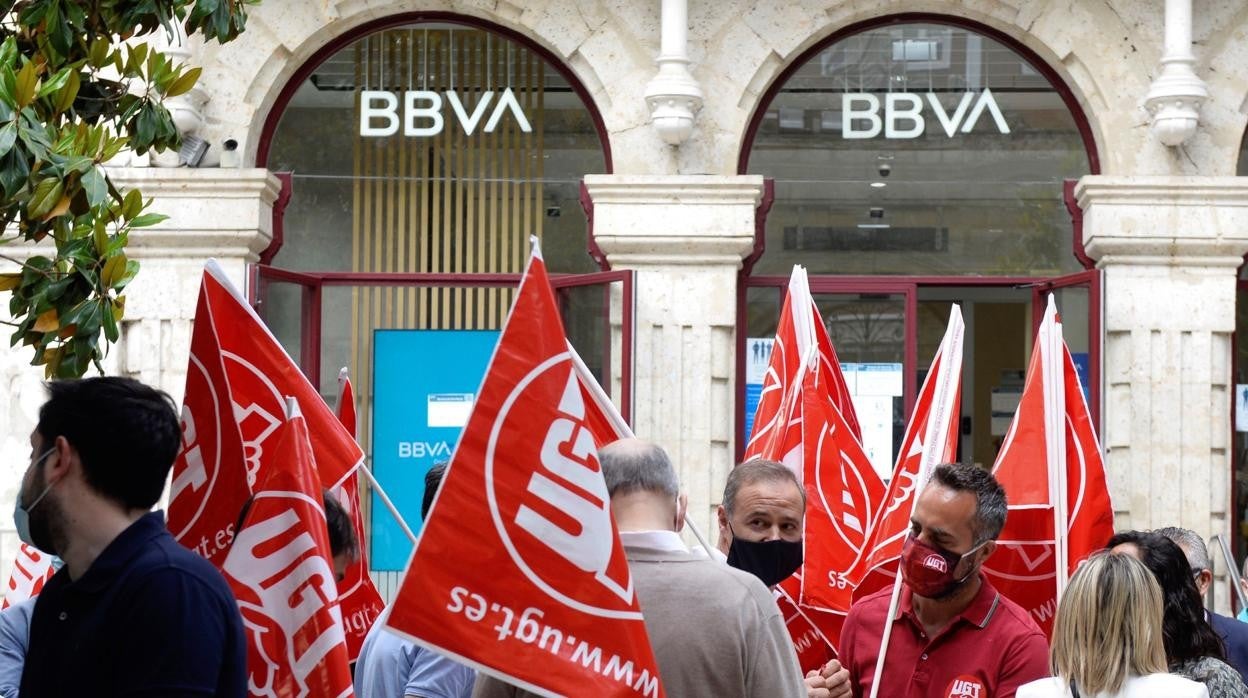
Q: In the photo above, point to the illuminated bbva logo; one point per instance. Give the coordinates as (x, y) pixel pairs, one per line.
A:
(901, 114)
(422, 112)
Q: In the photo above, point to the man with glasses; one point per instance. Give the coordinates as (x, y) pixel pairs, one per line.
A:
(954, 635)
(1234, 634)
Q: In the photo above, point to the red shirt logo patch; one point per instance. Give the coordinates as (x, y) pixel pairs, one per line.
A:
(966, 687)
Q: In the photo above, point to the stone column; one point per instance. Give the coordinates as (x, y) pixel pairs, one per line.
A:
(685, 236)
(226, 214)
(1169, 248)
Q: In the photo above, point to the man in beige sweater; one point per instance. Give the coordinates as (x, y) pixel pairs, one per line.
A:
(715, 630)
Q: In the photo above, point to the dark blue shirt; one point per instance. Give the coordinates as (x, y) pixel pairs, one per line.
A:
(1234, 635)
(149, 618)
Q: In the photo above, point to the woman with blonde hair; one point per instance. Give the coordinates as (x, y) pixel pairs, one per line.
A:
(1107, 638)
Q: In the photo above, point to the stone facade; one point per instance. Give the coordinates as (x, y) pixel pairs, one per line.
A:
(1167, 225)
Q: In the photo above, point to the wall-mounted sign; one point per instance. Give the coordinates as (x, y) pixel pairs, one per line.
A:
(901, 114)
(425, 382)
(421, 115)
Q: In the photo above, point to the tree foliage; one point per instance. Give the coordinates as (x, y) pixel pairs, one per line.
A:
(79, 82)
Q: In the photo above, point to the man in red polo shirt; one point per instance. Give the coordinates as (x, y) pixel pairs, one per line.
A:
(954, 635)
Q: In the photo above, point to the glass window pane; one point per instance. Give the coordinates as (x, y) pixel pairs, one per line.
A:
(462, 195)
(919, 149)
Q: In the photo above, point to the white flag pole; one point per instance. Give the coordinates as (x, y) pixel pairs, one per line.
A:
(1055, 428)
(943, 403)
(621, 427)
(394, 511)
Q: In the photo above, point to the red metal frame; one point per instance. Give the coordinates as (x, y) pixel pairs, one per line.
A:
(312, 283)
(1090, 280)
(279, 217)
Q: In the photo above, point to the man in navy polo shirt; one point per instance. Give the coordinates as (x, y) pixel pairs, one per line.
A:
(954, 635)
(132, 612)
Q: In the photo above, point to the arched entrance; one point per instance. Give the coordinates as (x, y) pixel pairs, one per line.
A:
(422, 152)
(919, 161)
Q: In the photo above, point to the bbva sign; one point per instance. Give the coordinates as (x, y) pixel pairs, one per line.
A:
(902, 114)
(422, 112)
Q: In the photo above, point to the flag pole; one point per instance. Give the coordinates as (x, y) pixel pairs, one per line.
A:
(394, 511)
(1055, 418)
(933, 440)
(621, 426)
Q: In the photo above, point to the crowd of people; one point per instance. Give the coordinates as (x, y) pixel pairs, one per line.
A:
(132, 612)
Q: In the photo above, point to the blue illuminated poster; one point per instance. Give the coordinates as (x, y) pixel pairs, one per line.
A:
(424, 385)
(757, 359)
(1083, 367)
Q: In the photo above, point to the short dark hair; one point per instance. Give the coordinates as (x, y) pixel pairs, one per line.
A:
(990, 503)
(127, 434)
(433, 482)
(342, 540)
(1187, 634)
(758, 470)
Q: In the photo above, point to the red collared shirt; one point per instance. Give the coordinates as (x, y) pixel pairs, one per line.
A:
(988, 651)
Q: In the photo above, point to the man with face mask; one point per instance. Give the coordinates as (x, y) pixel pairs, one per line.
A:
(760, 532)
(132, 612)
(715, 631)
(953, 635)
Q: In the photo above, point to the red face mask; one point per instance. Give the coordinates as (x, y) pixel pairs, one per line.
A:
(929, 570)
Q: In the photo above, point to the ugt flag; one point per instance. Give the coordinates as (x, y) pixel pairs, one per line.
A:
(931, 439)
(800, 328)
(520, 571)
(236, 382)
(31, 570)
(1052, 427)
(280, 569)
(359, 602)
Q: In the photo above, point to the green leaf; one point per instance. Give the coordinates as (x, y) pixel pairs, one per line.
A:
(111, 332)
(8, 136)
(148, 219)
(8, 51)
(27, 81)
(99, 235)
(69, 92)
(132, 205)
(96, 187)
(130, 271)
(184, 82)
(98, 56)
(46, 195)
(57, 82)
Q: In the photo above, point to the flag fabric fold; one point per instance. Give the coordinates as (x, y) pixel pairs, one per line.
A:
(280, 569)
(544, 598)
(32, 568)
(237, 378)
(931, 439)
(359, 600)
(1052, 427)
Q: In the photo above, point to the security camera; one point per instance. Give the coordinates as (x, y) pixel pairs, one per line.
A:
(885, 169)
(876, 212)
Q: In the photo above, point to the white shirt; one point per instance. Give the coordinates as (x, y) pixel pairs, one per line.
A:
(1151, 686)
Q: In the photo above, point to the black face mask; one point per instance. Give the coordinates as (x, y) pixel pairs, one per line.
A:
(772, 561)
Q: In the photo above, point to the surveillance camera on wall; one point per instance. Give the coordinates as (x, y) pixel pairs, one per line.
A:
(885, 169)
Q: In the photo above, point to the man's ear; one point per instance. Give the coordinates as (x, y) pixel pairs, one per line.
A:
(682, 510)
(985, 552)
(58, 463)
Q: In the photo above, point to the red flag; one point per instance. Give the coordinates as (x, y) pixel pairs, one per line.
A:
(800, 327)
(233, 354)
(931, 439)
(843, 492)
(359, 601)
(601, 416)
(543, 596)
(31, 570)
(1051, 427)
(281, 572)
(808, 628)
(210, 483)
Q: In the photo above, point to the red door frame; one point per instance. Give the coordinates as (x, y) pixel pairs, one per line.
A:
(1091, 280)
(312, 283)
